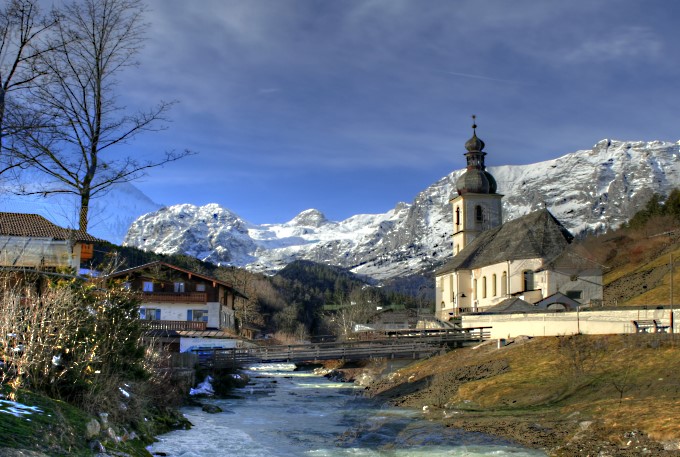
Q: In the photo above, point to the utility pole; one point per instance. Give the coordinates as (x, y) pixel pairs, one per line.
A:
(672, 323)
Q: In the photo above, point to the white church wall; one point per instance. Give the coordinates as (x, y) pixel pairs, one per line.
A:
(566, 323)
(489, 297)
(588, 283)
(517, 269)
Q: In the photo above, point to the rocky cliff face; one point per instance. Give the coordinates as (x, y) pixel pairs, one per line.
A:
(588, 191)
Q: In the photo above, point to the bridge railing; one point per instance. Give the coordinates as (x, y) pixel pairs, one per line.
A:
(399, 344)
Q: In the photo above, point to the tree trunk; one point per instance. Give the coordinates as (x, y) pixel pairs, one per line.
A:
(84, 209)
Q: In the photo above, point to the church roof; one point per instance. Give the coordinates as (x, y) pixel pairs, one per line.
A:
(535, 235)
(511, 305)
(558, 298)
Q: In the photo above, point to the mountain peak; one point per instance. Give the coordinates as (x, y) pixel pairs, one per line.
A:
(589, 190)
(309, 218)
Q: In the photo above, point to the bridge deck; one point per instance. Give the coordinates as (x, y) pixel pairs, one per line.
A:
(398, 344)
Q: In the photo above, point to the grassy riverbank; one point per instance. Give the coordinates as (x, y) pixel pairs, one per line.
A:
(572, 396)
(37, 425)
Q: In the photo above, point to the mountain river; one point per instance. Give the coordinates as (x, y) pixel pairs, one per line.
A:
(283, 412)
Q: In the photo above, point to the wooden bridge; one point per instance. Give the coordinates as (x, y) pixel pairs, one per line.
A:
(393, 345)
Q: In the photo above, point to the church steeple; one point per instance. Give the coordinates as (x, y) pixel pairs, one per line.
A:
(477, 206)
(476, 179)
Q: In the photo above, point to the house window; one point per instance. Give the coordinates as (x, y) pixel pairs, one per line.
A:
(179, 287)
(197, 315)
(147, 286)
(479, 214)
(528, 280)
(493, 285)
(127, 285)
(200, 287)
(484, 287)
(574, 294)
(150, 314)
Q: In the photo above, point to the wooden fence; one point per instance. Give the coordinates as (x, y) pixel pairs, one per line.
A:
(173, 325)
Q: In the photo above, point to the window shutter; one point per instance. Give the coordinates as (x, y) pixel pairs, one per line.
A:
(158, 314)
(142, 313)
(189, 315)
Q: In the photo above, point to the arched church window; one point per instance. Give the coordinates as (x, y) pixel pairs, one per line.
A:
(484, 287)
(528, 280)
(457, 215)
(479, 215)
(493, 285)
(504, 283)
(474, 289)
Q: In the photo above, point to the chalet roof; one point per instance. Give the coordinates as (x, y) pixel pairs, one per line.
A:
(158, 263)
(535, 235)
(34, 225)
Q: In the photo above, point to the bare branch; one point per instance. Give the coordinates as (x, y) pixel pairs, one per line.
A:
(74, 113)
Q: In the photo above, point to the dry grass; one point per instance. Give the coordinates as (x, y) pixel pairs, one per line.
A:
(660, 294)
(633, 385)
(619, 273)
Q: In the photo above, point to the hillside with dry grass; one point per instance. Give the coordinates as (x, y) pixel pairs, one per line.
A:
(579, 395)
(636, 260)
(572, 396)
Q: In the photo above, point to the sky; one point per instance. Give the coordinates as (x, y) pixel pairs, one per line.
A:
(351, 106)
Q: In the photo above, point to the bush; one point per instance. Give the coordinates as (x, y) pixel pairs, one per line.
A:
(70, 339)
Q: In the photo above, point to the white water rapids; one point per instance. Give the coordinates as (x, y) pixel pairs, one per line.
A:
(296, 413)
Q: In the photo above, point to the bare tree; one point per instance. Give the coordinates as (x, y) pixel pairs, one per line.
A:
(22, 32)
(358, 308)
(79, 119)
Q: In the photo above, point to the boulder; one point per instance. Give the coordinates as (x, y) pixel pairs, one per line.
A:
(211, 409)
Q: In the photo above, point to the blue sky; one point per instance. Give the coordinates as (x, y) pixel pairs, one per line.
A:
(351, 106)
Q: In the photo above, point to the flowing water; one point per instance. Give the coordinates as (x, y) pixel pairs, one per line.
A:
(296, 413)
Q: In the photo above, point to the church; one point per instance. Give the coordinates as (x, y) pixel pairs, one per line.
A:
(523, 265)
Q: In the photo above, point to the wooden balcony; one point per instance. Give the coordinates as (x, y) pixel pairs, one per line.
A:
(175, 297)
(173, 325)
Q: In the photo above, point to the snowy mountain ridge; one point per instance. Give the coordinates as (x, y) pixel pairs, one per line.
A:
(588, 191)
(110, 215)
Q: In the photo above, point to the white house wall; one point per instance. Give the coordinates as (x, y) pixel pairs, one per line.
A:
(177, 311)
(213, 315)
(33, 252)
(187, 344)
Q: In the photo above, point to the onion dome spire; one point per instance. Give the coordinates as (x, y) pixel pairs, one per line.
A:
(474, 144)
(475, 179)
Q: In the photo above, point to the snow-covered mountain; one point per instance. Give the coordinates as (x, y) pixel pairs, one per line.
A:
(588, 191)
(110, 215)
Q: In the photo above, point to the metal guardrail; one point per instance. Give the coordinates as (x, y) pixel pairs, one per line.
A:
(402, 344)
